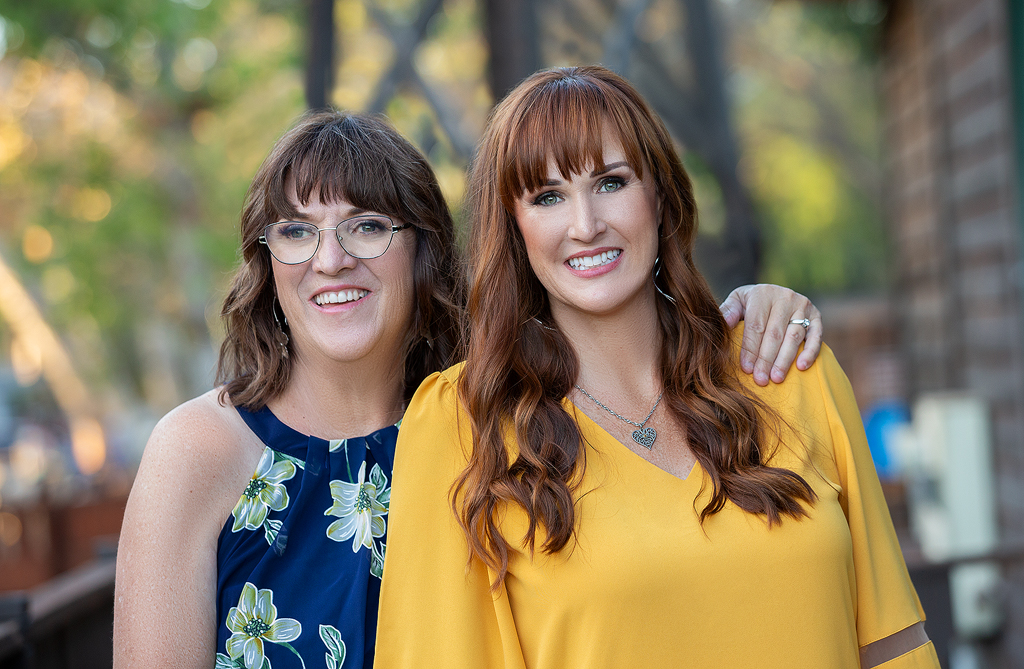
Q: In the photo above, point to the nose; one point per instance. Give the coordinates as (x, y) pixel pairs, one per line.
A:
(587, 221)
(330, 257)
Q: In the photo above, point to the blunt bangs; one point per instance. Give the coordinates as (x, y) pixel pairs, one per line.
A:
(340, 160)
(564, 120)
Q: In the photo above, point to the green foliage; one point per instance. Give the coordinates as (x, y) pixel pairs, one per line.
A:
(808, 114)
(130, 129)
(820, 235)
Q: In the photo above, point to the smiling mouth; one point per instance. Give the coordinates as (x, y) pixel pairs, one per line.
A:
(340, 297)
(594, 261)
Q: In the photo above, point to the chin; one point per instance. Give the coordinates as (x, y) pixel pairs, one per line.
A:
(603, 305)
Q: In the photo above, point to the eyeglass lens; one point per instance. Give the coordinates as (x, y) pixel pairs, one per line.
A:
(294, 242)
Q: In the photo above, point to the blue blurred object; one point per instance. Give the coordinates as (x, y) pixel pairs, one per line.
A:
(879, 421)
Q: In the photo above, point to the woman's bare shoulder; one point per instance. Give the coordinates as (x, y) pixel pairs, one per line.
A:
(203, 446)
(204, 422)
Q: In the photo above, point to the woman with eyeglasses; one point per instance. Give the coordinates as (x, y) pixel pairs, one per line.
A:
(599, 485)
(256, 529)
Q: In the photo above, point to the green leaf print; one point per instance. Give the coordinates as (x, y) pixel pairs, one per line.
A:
(377, 559)
(379, 481)
(290, 458)
(271, 528)
(225, 662)
(335, 655)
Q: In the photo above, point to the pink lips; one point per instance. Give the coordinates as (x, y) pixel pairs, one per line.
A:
(596, 270)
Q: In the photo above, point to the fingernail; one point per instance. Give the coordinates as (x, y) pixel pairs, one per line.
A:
(778, 376)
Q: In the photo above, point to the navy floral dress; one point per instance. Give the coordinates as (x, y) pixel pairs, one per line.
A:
(300, 559)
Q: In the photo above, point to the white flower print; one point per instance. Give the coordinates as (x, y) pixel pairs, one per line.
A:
(264, 493)
(360, 508)
(255, 621)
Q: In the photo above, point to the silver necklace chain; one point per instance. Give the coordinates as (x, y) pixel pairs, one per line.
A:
(635, 424)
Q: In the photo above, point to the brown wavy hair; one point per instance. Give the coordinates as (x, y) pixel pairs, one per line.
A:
(519, 369)
(333, 155)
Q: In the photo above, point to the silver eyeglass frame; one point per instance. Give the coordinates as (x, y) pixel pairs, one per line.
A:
(336, 228)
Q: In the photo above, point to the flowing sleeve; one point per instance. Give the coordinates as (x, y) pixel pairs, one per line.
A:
(437, 609)
(886, 601)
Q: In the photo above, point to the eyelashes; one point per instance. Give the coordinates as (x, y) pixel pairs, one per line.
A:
(610, 184)
(546, 199)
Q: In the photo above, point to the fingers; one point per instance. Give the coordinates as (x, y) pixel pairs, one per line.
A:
(779, 345)
(734, 306)
(759, 301)
(812, 345)
(791, 340)
(770, 342)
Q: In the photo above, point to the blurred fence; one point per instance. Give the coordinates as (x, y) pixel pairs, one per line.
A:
(65, 623)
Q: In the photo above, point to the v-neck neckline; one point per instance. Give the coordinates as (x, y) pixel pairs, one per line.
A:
(592, 426)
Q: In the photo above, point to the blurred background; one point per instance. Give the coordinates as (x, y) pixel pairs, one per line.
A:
(864, 152)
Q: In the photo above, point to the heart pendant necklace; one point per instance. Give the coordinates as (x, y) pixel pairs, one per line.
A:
(644, 436)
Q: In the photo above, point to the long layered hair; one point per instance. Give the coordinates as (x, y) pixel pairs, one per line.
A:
(519, 369)
(333, 155)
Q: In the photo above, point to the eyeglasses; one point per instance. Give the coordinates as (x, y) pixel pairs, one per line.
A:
(363, 237)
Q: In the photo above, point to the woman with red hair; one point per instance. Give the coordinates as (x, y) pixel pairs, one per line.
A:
(623, 494)
(255, 531)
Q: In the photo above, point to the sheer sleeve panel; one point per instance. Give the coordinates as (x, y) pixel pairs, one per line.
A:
(909, 643)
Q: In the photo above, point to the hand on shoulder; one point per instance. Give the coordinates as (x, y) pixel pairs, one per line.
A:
(782, 326)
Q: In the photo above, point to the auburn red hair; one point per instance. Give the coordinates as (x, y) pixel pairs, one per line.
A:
(520, 366)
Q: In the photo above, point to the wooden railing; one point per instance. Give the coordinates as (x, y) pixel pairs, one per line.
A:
(65, 623)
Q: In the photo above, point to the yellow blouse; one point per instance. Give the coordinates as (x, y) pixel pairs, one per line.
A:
(646, 585)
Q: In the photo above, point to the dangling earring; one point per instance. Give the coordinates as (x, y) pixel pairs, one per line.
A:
(280, 337)
(657, 271)
(541, 323)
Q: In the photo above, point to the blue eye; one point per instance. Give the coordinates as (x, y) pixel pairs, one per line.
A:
(294, 231)
(367, 226)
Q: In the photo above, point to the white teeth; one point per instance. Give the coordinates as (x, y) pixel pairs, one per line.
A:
(594, 261)
(340, 297)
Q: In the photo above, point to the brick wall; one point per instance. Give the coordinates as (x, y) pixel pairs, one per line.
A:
(955, 223)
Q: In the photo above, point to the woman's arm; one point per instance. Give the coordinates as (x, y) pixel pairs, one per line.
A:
(770, 340)
(890, 620)
(194, 467)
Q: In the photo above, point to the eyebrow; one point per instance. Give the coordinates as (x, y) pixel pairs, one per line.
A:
(352, 213)
(609, 168)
